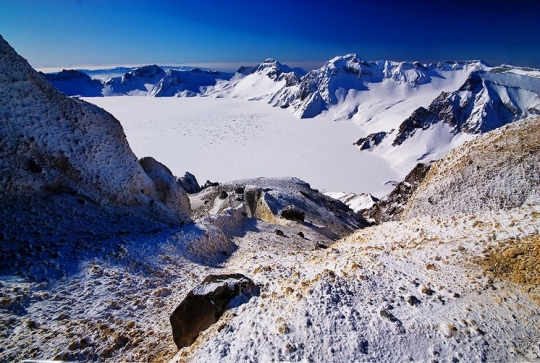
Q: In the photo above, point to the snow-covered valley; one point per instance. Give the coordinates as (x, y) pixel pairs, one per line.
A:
(222, 139)
(101, 244)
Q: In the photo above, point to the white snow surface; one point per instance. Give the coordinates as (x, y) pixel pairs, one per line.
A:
(228, 139)
(356, 202)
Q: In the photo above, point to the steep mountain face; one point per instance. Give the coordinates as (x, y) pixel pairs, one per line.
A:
(54, 145)
(486, 101)
(347, 76)
(499, 170)
(75, 83)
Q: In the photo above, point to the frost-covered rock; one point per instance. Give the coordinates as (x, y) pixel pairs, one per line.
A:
(170, 193)
(189, 183)
(499, 170)
(205, 304)
(390, 207)
(271, 199)
(54, 145)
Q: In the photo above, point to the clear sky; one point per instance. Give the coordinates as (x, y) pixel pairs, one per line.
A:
(64, 33)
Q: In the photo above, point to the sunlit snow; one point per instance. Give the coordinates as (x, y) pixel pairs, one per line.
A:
(228, 139)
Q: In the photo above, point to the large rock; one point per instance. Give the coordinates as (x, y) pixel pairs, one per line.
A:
(170, 193)
(282, 201)
(205, 304)
(189, 183)
(391, 206)
(51, 144)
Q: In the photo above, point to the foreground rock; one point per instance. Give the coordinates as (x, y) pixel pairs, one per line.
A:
(52, 145)
(205, 304)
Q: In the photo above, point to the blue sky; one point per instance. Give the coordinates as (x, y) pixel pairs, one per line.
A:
(64, 33)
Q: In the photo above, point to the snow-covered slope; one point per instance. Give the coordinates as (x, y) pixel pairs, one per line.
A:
(349, 87)
(259, 83)
(51, 145)
(487, 100)
(499, 170)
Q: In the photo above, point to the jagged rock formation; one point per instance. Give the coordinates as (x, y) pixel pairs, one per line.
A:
(205, 304)
(370, 141)
(189, 183)
(271, 199)
(51, 144)
(390, 207)
(499, 170)
(486, 101)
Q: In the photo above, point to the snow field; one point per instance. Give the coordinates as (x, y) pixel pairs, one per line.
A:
(230, 139)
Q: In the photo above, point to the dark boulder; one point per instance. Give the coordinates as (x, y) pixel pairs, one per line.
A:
(189, 183)
(205, 304)
(294, 214)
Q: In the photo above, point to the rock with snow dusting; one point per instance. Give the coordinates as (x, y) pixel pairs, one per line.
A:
(205, 304)
(267, 198)
(390, 207)
(189, 183)
(499, 170)
(54, 145)
(170, 193)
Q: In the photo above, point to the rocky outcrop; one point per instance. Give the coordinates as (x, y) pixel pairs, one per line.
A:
(54, 145)
(189, 183)
(205, 304)
(170, 193)
(391, 206)
(499, 170)
(281, 201)
(370, 141)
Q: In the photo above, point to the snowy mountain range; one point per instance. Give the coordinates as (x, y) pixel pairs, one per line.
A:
(406, 111)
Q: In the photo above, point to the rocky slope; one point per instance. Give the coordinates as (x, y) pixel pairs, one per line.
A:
(497, 171)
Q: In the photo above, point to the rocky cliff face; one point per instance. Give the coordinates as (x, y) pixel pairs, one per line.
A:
(51, 144)
(486, 101)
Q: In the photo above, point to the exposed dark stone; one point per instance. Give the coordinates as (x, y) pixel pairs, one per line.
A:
(371, 140)
(279, 232)
(292, 213)
(223, 194)
(413, 300)
(301, 234)
(209, 184)
(319, 246)
(389, 316)
(390, 207)
(189, 183)
(34, 167)
(205, 304)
